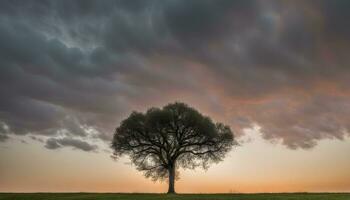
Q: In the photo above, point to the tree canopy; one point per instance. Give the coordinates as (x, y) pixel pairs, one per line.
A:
(162, 140)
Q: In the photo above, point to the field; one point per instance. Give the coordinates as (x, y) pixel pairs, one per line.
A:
(92, 196)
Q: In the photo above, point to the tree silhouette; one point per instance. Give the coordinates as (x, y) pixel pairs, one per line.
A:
(160, 141)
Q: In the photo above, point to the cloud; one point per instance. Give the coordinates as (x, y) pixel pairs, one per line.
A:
(3, 137)
(67, 68)
(54, 143)
(4, 130)
(36, 138)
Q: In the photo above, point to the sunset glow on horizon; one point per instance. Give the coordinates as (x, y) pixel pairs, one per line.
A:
(276, 72)
(255, 166)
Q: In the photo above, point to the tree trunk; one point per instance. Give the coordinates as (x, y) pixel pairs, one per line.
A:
(171, 189)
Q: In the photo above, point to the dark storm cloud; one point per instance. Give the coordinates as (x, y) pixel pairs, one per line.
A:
(76, 68)
(336, 13)
(54, 143)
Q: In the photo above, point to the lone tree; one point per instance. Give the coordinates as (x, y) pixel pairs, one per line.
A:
(160, 141)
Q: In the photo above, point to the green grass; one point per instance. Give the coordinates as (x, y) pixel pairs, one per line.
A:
(93, 196)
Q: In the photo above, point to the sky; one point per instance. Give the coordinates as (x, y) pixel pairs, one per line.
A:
(276, 72)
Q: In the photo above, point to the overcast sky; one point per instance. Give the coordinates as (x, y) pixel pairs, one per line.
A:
(70, 71)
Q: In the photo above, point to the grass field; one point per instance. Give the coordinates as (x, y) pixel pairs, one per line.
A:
(92, 196)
